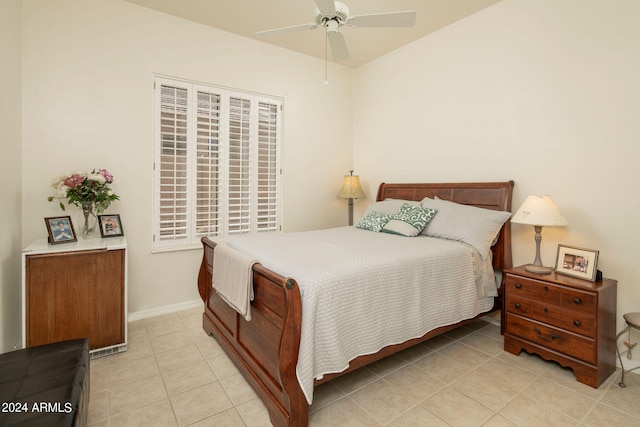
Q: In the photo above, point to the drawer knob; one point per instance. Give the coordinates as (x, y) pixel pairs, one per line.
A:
(546, 288)
(577, 323)
(577, 300)
(518, 285)
(517, 305)
(551, 338)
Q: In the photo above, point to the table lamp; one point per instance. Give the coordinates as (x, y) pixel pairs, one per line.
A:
(539, 211)
(351, 190)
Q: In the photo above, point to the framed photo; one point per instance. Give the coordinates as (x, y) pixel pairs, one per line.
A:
(577, 262)
(60, 229)
(110, 225)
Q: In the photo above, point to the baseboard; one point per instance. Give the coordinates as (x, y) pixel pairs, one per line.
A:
(167, 309)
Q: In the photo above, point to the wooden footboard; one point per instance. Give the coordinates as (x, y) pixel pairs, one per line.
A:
(265, 350)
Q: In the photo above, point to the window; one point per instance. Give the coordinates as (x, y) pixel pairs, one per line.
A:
(216, 163)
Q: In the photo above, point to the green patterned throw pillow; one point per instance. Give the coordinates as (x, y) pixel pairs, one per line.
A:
(374, 221)
(409, 220)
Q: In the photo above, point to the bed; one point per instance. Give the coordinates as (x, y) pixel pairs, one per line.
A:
(267, 349)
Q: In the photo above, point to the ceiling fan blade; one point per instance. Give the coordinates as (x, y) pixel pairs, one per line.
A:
(292, 28)
(326, 7)
(339, 49)
(392, 19)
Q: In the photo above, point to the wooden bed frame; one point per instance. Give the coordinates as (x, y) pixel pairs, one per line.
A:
(265, 350)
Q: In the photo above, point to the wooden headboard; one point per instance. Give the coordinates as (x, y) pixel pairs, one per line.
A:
(488, 195)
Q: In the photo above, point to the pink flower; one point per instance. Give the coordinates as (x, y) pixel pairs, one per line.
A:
(85, 190)
(107, 176)
(74, 181)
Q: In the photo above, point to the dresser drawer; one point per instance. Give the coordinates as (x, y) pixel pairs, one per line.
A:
(580, 323)
(533, 309)
(575, 300)
(555, 339)
(575, 321)
(522, 287)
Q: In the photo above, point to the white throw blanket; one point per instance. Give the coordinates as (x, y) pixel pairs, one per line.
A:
(233, 279)
(362, 291)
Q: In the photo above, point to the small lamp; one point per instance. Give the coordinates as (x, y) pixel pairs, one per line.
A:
(539, 211)
(351, 190)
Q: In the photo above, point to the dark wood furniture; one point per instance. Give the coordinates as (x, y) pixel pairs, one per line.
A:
(47, 385)
(76, 290)
(266, 349)
(561, 318)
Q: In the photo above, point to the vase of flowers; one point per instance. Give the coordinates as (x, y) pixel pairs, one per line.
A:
(91, 192)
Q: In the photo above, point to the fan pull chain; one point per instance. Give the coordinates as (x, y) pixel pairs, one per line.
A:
(326, 37)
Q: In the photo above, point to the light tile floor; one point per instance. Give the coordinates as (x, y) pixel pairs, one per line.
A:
(173, 374)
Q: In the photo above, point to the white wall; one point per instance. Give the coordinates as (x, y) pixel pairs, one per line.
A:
(539, 91)
(10, 173)
(87, 97)
(543, 92)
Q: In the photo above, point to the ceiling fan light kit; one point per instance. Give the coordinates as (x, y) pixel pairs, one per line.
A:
(339, 14)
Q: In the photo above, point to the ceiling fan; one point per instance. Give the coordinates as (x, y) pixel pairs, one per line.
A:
(332, 15)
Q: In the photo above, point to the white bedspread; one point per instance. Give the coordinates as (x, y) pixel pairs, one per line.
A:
(362, 291)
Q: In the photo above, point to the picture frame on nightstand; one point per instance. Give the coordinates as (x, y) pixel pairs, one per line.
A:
(60, 229)
(577, 262)
(110, 226)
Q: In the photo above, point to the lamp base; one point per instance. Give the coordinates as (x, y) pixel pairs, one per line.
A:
(538, 269)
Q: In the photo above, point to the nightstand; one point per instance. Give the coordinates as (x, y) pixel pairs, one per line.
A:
(76, 290)
(564, 319)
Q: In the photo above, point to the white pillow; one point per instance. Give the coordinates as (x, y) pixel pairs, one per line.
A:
(390, 206)
(478, 227)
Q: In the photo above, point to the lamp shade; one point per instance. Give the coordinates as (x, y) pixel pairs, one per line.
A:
(351, 188)
(539, 210)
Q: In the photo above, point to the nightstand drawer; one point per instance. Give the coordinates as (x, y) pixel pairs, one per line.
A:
(580, 323)
(555, 339)
(532, 289)
(533, 309)
(575, 321)
(579, 301)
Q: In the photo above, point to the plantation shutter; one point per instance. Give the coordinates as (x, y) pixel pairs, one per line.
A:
(239, 209)
(268, 167)
(216, 161)
(208, 196)
(173, 192)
